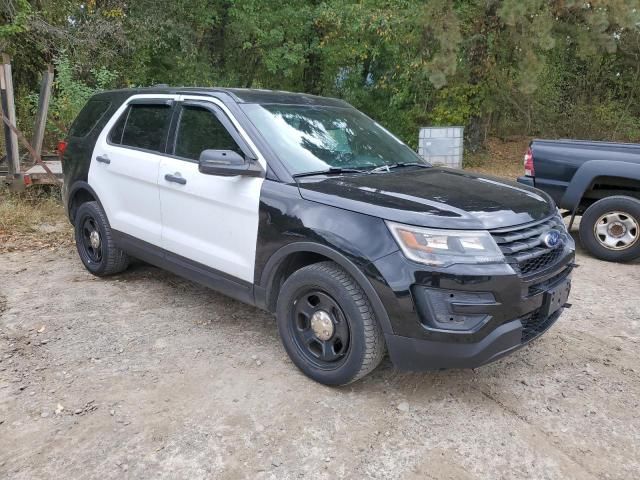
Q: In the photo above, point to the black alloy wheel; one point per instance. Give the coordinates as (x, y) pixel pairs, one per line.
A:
(327, 324)
(94, 241)
(91, 243)
(320, 329)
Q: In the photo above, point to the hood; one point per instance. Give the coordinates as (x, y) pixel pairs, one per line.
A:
(432, 197)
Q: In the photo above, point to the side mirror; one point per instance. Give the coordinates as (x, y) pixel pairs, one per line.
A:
(227, 163)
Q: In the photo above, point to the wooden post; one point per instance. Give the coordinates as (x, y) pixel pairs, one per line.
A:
(43, 109)
(9, 109)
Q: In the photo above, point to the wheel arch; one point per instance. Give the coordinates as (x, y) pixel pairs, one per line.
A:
(79, 193)
(588, 173)
(294, 256)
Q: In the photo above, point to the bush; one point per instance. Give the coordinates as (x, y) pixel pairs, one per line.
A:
(71, 93)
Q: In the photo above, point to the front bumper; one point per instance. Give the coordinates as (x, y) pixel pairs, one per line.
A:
(417, 354)
(498, 310)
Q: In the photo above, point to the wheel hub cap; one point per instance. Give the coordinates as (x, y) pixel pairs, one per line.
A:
(617, 230)
(322, 325)
(320, 329)
(94, 239)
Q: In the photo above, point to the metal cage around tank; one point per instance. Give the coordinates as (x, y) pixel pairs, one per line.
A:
(441, 145)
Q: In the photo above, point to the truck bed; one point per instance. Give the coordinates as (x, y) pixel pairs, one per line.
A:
(556, 161)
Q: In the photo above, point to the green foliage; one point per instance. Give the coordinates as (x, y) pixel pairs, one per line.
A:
(457, 105)
(555, 68)
(71, 93)
(17, 13)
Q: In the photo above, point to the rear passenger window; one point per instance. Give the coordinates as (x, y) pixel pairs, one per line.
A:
(88, 117)
(115, 135)
(199, 130)
(142, 126)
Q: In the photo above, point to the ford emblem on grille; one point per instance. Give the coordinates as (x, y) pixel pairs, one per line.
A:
(551, 239)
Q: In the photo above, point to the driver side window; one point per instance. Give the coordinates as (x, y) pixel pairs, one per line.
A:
(199, 130)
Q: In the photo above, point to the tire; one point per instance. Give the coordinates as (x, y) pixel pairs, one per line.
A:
(102, 258)
(346, 343)
(610, 229)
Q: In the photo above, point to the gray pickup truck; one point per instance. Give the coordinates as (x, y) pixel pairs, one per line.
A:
(599, 181)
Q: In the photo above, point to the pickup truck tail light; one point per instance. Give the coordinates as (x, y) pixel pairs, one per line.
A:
(61, 147)
(529, 171)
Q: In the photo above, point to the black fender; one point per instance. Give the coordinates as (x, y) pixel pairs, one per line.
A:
(271, 268)
(589, 171)
(77, 186)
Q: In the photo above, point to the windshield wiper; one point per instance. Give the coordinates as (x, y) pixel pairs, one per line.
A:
(388, 168)
(329, 171)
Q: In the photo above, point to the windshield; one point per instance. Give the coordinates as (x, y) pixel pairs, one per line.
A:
(318, 138)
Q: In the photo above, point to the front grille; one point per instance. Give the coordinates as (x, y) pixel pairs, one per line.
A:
(549, 282)
(541, 262)
(523, 248)
(534, 324)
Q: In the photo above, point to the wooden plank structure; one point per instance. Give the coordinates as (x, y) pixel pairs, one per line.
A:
(43, 109)
(48, 171)
(9, 110)
(37, 175)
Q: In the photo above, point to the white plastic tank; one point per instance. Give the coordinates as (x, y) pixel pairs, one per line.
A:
(441, 145)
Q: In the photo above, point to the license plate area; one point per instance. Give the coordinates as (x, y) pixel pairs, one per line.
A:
(556, 297)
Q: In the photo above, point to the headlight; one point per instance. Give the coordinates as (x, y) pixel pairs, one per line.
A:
(445, 247)
(567, 239)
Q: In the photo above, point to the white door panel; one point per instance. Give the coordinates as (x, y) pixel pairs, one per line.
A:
(127, 186)
(211, 220)
(128, 190)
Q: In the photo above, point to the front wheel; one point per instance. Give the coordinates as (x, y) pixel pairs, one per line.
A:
(327, 325)
(610, 229)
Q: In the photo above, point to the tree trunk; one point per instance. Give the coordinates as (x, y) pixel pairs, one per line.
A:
(474, 135)
(312, 74)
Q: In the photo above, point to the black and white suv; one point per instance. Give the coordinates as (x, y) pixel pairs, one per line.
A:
(307, 208)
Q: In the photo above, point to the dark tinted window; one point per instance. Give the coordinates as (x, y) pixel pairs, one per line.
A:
(88, 117)
(145, 127)
(200, 130)
(115, 135)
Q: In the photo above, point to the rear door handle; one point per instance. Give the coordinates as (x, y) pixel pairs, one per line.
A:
(103, 159)
(175, 178)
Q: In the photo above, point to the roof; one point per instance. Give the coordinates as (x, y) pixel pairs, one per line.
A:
(239, 95)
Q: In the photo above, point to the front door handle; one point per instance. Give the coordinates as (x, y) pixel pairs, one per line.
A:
(103, 159)
(175, 178)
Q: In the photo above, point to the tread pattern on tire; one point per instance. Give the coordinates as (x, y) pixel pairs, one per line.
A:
(116, 259)
(373, 336)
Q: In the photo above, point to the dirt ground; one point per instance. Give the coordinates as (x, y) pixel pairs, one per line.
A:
(146, 375)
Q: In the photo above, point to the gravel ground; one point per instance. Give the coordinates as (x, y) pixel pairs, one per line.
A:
(146, 375)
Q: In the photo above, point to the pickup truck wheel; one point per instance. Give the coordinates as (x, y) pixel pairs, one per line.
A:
(94, 242)
(610, 229)
(327, 325)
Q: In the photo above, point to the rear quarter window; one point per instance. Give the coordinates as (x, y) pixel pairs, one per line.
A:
(88, 117)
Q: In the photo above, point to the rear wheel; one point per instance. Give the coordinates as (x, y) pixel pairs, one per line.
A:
(610, 229)
(94, 242)
(327, 325)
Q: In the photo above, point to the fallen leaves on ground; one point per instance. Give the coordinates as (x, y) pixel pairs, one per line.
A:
(33, 220)
(502, 158)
